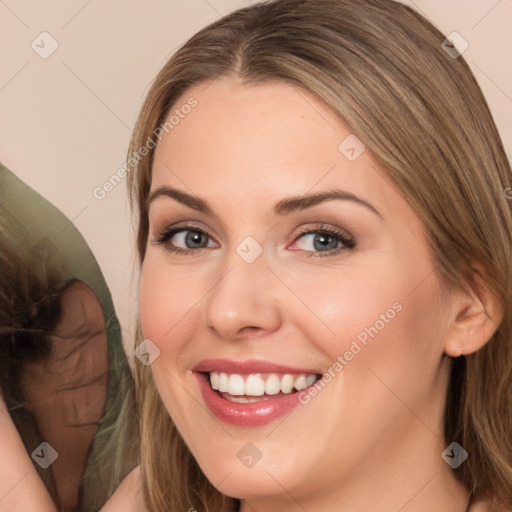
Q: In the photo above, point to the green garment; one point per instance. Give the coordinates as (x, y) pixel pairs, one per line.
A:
(41, 253)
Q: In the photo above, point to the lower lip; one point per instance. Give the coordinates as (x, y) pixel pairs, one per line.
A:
(246, 415)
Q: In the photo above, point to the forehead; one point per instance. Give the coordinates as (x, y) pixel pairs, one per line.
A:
(259, 142)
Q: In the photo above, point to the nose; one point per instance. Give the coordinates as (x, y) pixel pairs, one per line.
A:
(243, 301)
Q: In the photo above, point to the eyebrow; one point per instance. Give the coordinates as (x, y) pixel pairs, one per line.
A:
(282, 207)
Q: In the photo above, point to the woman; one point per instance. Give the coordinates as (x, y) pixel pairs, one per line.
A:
(326, 285)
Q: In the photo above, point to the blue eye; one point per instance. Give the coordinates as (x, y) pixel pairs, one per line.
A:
(321, 241)
(326, 241)
(193, 238)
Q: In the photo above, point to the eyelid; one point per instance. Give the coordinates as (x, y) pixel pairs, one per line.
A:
(347, 240)
(182, 226)
(161, 236)
(323, 227)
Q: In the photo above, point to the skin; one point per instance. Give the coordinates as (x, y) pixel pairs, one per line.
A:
(259, 144)
(372, 439)
(21, 489)
(128, 496)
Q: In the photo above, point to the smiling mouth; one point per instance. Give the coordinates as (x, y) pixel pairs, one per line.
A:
(258, 387)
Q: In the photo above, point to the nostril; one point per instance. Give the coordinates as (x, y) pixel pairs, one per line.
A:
(249, 330)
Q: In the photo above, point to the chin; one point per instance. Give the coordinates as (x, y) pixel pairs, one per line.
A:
(248, 485)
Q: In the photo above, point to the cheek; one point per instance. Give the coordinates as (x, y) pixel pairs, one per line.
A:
(342, 306)
(385, 312)
(167, 315)
(168, 300)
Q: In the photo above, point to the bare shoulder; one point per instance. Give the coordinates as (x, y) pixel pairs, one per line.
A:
(128, 496)
(485, 505)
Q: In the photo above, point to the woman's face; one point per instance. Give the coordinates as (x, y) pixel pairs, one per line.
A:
(267, 298)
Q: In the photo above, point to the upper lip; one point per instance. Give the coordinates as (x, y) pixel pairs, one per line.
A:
(247, 366)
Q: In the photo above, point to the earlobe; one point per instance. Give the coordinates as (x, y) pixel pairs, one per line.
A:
(476, 317)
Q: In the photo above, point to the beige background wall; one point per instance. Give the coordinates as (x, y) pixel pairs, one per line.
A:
(65, 120)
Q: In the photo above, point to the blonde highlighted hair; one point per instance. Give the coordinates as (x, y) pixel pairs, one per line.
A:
(380, 66)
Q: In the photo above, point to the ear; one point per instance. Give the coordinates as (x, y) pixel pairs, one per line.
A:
(476, 315)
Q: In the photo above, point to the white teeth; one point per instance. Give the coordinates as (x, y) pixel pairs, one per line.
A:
(272, 385)
(214, 380)
(287, 383)
(310, 379)
(254, 385)
(247, 399)
(300, 383)
(223, 382)
(236, 384)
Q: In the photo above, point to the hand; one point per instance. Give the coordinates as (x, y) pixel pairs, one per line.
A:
(21, 489)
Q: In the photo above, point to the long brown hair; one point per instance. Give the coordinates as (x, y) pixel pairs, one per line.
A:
(381, 67)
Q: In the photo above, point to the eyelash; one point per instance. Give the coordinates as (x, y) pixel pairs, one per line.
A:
(347, 243)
